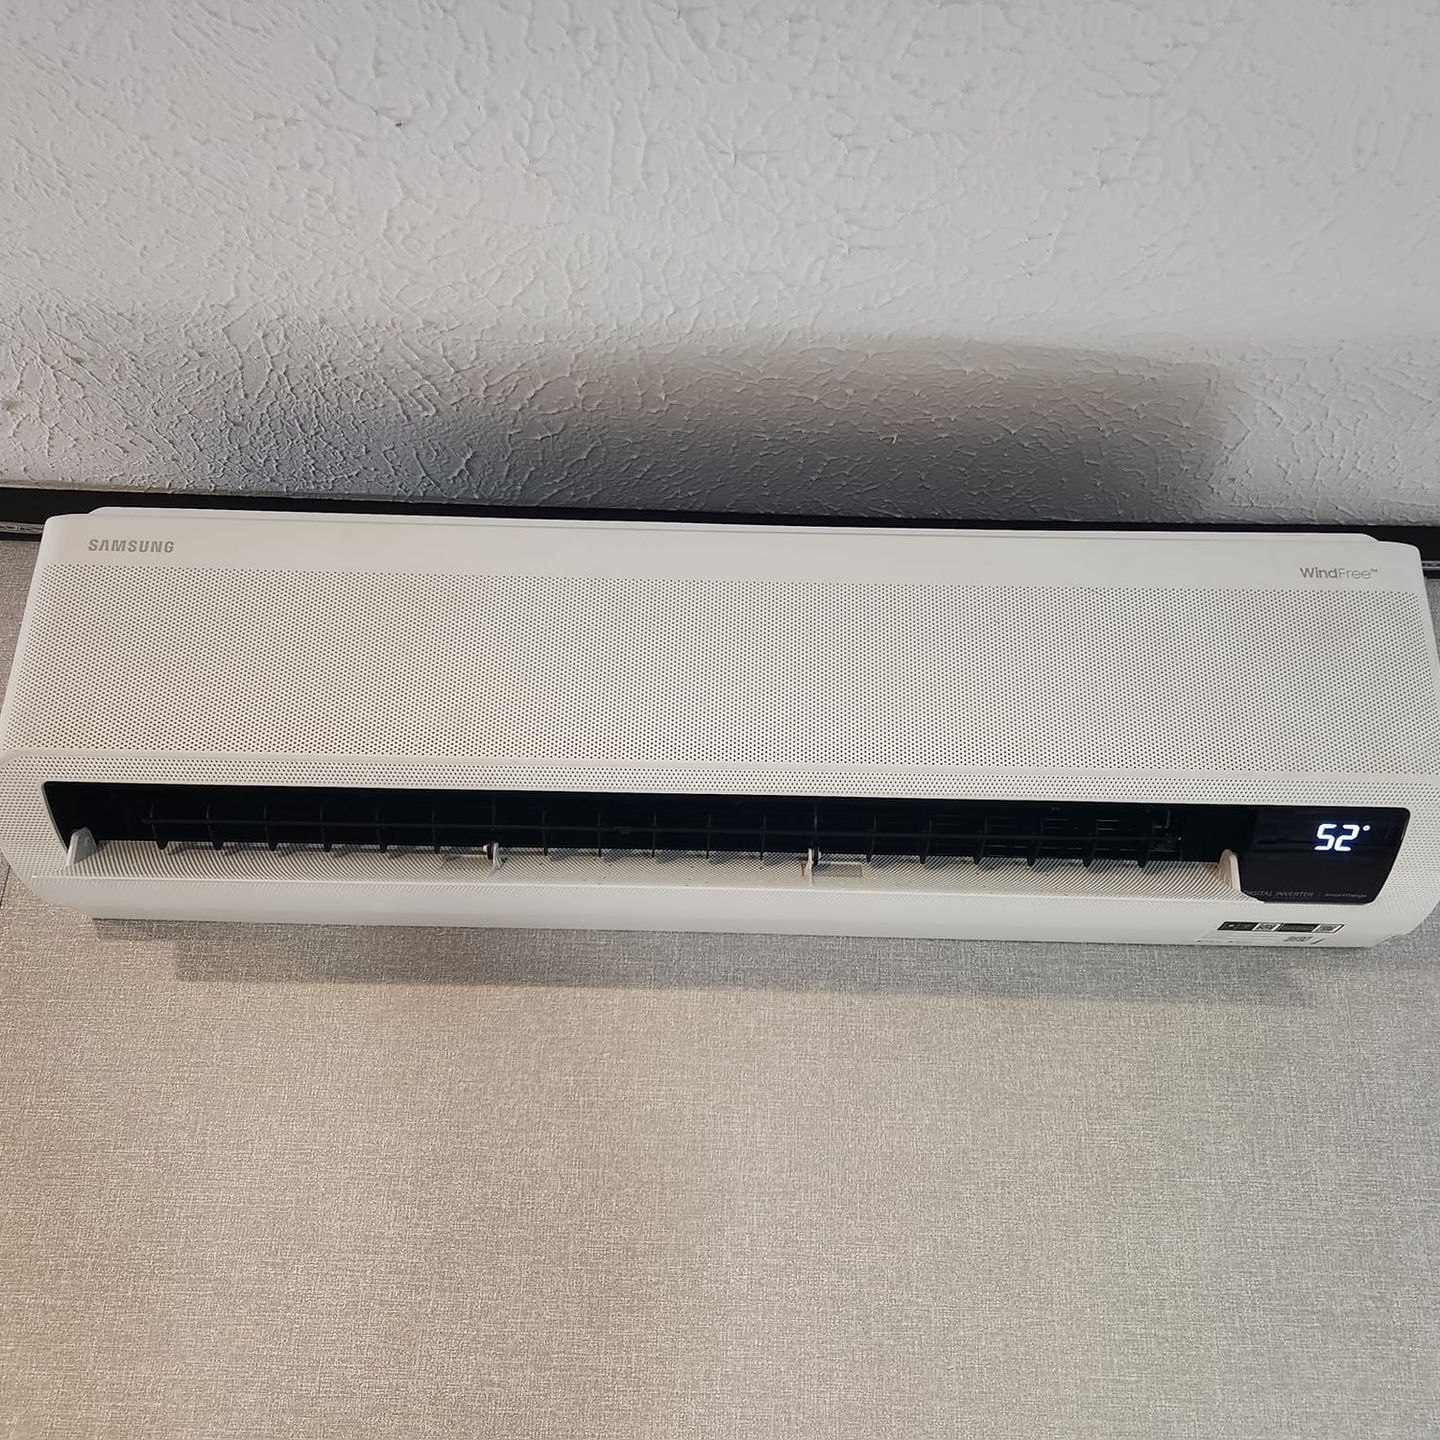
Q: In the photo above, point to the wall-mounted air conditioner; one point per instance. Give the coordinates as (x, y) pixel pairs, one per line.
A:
(1219, 739)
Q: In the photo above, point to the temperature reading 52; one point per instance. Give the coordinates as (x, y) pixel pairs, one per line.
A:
(1339, 838)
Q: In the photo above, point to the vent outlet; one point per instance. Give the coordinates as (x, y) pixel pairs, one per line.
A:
(549, 821)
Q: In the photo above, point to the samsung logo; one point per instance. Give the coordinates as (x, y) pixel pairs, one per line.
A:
(134, 547)
(1318, 572)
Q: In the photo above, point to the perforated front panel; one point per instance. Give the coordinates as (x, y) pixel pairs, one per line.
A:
(664, 673)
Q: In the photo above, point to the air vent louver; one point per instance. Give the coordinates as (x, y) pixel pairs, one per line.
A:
(276, 815)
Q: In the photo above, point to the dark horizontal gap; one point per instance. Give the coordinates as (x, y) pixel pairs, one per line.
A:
(917, 829)
(24, 508)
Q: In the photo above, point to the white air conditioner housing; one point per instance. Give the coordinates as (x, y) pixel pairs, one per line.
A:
(1216, 739)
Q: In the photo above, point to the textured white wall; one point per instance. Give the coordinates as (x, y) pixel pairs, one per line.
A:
(1079, 259)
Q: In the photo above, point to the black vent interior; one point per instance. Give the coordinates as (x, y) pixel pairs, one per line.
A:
(549, 821)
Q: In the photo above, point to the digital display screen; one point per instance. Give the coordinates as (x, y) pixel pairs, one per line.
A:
(1338, 855)
(1329, 832)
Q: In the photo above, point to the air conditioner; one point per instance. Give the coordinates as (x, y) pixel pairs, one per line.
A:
(1215, 739)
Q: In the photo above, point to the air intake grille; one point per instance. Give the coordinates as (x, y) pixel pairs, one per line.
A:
(638, 675)
(275, 816)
